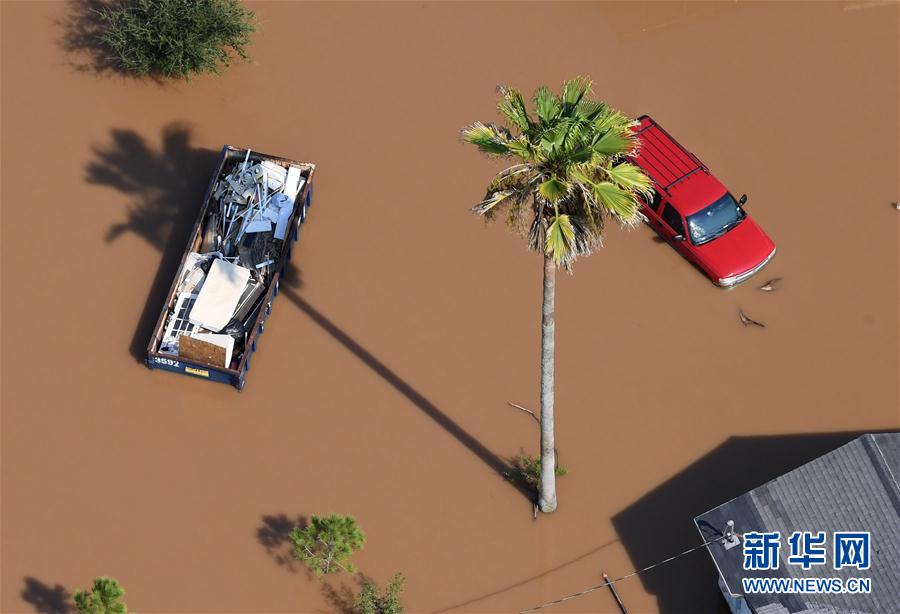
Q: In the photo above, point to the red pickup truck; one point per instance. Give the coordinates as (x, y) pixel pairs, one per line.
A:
(696, 214)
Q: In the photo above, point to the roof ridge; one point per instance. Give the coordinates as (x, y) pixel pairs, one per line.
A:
(887, 465)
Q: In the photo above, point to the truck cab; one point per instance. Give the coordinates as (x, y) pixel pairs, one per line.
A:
(696, 214)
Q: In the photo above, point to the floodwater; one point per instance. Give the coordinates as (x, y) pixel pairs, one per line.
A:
(380, 388)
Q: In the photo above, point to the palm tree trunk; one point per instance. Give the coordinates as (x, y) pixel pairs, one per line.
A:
(547, 500)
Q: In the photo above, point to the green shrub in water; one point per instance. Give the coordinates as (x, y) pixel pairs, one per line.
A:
(175, 38)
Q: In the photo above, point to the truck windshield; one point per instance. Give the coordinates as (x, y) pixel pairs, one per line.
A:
(715, 220)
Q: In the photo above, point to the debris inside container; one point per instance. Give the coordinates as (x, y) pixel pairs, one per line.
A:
(201, 350)
(221, 286)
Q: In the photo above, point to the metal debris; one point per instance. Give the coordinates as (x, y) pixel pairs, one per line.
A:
(178, 323)
(219, 295)
(221, 286)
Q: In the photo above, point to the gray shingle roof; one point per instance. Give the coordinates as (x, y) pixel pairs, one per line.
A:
(853, 488)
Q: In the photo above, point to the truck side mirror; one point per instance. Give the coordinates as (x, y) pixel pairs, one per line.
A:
(742, 200)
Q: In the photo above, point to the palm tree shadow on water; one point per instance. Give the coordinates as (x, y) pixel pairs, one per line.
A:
(166, 188)
(499, 465)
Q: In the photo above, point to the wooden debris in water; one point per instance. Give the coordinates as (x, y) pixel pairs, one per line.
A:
(770, 286)
(747, 321)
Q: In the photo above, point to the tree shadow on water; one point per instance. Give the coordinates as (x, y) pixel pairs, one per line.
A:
(416, 398)
(46, 599)
(293, 282)
(166, 188)
(274, 534)
(342, 597)
(81, 28)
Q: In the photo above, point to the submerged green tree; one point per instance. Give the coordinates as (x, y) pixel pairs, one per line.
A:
(571, 177)
(373, 601)
(103, 598)
(175, 38)
(327, 543)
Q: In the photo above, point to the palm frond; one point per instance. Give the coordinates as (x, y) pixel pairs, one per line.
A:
(553, 189)
(514, 215)
(580, 152)
(512, 107)
(553, 137)
(573, 91)
(585, 239)
(578, 140)
(491, 200)
(560, 239)
(546, 104)
(579, 241)
(517, 215)
(630, 177)
(619, 203)
(537, 233)
(488, 138)
(632, 142)
(610, 119)
(521, 147)
(513, 175)
(611, 143)
(590, 110)
(592, 214)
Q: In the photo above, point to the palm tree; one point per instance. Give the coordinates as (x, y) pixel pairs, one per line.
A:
(570, 177)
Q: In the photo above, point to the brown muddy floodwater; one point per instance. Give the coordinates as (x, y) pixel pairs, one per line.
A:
(380, 388)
